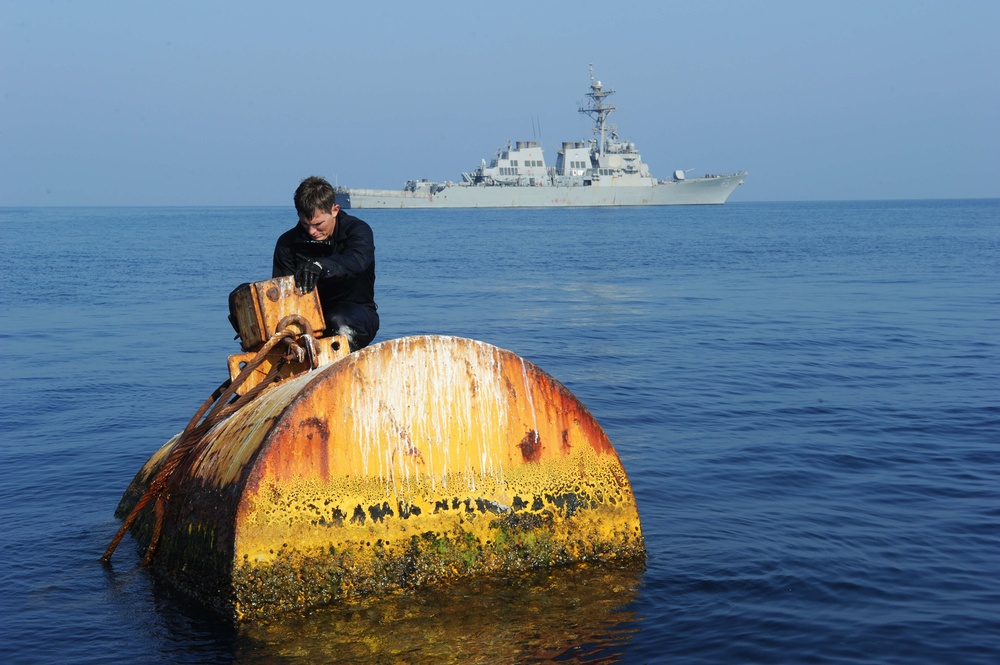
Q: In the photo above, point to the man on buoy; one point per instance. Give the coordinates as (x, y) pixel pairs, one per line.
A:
(335, 253)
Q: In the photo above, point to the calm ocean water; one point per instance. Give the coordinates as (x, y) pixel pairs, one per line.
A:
(806, 397)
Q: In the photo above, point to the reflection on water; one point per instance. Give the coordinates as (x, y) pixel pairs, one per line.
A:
(569, 615)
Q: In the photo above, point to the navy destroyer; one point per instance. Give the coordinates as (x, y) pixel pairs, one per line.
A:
(603, 171)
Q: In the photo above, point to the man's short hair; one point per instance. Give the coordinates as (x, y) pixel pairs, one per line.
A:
(314, 194)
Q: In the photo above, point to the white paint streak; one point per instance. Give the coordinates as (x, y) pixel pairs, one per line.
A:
(527, 392)
(439, 405)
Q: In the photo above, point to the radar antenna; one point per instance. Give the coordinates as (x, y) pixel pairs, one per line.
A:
(597, 109)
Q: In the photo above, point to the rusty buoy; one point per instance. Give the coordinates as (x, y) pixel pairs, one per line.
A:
(410, 462)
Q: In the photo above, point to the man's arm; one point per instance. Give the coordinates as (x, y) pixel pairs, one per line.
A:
(358, 253)
(284, 260)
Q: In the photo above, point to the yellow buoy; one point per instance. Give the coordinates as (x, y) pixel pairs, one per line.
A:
(409, 462)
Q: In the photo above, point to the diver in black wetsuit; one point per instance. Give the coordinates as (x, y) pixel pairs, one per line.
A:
(334, 252)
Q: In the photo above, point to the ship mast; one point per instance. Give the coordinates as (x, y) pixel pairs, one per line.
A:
(597, 109)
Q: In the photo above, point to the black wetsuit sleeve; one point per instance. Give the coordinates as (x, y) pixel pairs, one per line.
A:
(284, 261)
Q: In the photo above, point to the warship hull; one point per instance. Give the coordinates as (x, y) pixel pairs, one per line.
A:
(694, 191)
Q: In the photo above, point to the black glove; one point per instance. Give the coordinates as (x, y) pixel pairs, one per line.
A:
(307, 274)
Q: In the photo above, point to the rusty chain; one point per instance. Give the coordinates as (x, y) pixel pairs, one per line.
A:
(219, 406)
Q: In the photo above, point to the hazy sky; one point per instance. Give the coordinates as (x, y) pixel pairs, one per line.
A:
(232, 103)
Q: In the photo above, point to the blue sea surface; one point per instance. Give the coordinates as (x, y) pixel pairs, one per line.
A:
(806, 398)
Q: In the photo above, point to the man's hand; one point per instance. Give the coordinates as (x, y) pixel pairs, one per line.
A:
(307, 274)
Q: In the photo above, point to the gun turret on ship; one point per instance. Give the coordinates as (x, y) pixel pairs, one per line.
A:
(602, 171)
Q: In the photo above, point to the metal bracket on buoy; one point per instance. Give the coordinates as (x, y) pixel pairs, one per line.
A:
(327, 350)
(259, 309)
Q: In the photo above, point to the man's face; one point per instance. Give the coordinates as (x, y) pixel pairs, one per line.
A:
(321, 226)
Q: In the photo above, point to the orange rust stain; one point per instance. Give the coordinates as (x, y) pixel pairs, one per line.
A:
(314, 432)
(531, 446)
